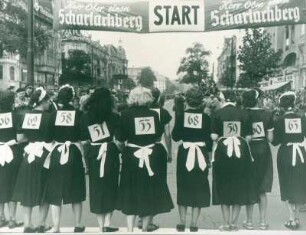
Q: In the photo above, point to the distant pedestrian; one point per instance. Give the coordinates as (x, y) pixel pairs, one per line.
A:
(179, 103)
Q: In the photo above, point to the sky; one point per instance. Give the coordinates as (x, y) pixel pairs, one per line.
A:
(163, 51)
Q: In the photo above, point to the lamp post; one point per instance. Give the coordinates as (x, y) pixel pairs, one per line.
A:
(30, 50)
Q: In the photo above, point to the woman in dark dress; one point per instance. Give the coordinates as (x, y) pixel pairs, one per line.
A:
(165, 119)
(66, 177)
(165, 139)
(193, 128)
(233, 178)
(290, 131)
(262, 124)
(10, 158)
(98, 129)
(143, 190)
(35, 128)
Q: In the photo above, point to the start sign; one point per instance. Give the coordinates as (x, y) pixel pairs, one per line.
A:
(176, 16)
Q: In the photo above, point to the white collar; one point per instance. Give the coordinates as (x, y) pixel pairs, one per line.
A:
(229, 103)
(255, 108)
(289, 111)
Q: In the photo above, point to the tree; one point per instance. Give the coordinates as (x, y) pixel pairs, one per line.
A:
(130, 84)
(258, 59)
(194, 66)
(227, 78)
(147, 77)
(76, 68)
(171, 87)
(13, 29)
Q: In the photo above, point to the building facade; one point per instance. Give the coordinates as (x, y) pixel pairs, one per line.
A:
(291, 39)
(13, 68)
(228, 64)
(106, 61)
(134, 73)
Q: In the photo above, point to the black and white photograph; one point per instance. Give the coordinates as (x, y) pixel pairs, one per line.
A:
(153, 116)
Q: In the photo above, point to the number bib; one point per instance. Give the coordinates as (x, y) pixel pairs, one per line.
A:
(258, 130)
(144, 126)
(293, 126)
(231, 129)
(32, 121)
(65, 118)
(158, 111)
(98, 132)
(193, 120)
(6, 120)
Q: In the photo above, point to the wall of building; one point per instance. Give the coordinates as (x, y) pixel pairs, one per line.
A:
(9, 71)
(107, 60)
(291, 40)
(46, 63)
(228, 58)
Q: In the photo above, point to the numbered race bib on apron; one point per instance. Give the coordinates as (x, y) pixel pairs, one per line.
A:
(293, 126)
(144, 126)
(32, 121)
(193, 120)
(65, 118)
(231, 129)
(258, 130)
(6, 120)
(98, 132)
(158, 111)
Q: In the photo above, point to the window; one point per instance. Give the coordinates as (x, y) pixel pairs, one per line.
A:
(24, 75)
(287, 37)
(292, 34)
(12, 73)
(302, 29)
(1, 50)
(1, 72)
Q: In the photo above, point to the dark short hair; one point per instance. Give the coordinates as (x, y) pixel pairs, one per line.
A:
(65, 95)
(230, 96)
(100, 105)
(34, 99)
(6, 100)
(287, 101)
(194, 97)
(249, 99)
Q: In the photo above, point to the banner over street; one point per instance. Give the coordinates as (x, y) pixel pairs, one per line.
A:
(150, 16)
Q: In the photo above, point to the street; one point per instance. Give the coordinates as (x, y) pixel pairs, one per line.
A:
(211, 217)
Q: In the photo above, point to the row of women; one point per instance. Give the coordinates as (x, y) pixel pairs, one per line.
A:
(42, 159)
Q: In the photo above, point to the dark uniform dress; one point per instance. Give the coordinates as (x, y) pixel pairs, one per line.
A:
(165, 119)
(66, 179)
(192, 185)
(103, 188)
(262, 122)
(143, 190)
(31, 179)
(8, 168)
(290, 131)
(233, 175)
